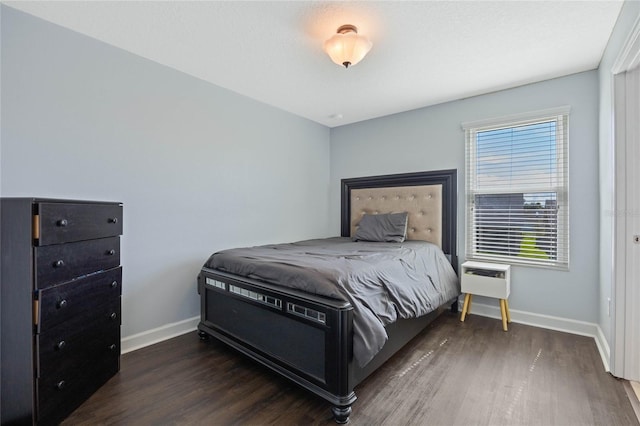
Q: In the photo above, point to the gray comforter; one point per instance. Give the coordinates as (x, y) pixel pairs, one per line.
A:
(382, 281)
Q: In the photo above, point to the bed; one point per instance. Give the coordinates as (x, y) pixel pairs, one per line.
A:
(314, 338)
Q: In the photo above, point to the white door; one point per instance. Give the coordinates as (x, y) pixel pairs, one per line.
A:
(625, 360)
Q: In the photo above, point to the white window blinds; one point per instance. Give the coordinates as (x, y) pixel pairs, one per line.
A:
(517, 189)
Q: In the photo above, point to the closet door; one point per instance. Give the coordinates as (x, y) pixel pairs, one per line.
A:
(626, 349)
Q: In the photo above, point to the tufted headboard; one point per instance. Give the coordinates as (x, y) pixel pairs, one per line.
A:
(428, 197)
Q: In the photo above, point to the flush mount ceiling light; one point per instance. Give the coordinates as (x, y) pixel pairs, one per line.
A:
(346, 47)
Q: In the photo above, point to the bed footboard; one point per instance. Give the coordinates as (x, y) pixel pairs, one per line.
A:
(305, 338)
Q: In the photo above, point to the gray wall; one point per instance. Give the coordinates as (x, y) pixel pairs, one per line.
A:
(628, 15)
(197, 167)
(200, 168)
(431, 138)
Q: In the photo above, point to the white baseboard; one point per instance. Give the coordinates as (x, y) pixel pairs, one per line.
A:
(603, 348)
(582, 328)
(566, 325)
(156, 335)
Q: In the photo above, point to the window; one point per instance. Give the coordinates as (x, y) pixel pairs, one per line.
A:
(517, 189)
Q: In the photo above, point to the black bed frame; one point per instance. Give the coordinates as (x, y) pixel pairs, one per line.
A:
(308, 338)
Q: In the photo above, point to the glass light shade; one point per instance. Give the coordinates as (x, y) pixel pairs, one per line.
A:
(347, 48)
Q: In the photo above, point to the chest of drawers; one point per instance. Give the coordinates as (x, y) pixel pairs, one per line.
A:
(59, 305)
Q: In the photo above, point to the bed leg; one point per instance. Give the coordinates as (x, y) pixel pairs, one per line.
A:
(454, 306)
(203, 336)
(341, 414)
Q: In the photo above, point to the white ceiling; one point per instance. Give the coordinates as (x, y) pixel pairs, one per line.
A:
(424, 52)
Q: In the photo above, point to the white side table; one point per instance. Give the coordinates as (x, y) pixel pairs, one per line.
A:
(486, 279)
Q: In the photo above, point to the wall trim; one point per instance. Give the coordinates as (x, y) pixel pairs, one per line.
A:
(629, 56)
(566, 325)
(157, 335)
(530, 115)
(603, 348)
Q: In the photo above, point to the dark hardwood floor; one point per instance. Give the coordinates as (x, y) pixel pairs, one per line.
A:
(453, 373)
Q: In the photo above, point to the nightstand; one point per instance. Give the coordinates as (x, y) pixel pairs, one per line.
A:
(486, 279)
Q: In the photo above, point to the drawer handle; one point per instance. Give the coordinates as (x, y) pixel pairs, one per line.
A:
(62, 222)
(114, 284)
(58, 264)
(112, 347)
(60, 385)
(111, 252)
(113, 220)
(62, 304)
(113, 315)
(60, 345)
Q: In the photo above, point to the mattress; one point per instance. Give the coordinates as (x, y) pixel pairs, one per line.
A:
(382, 281)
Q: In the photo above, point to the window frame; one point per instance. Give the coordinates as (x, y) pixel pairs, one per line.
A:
(561, 116)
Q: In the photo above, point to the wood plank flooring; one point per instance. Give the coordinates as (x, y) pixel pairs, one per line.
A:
(453, 373)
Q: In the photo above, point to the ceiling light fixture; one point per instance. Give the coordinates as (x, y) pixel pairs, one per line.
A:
(346, 47)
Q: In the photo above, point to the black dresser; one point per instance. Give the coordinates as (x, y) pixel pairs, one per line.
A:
(60, 305)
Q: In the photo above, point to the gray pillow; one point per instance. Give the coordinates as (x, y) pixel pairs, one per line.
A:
(389, 227)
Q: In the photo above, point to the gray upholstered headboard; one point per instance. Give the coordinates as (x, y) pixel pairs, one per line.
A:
(429, 198)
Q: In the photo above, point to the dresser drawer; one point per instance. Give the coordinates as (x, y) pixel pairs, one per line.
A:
(58, 263)
(59, 395)
(65, 222)
(109, 312)
(78, 300)
(62, 350)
